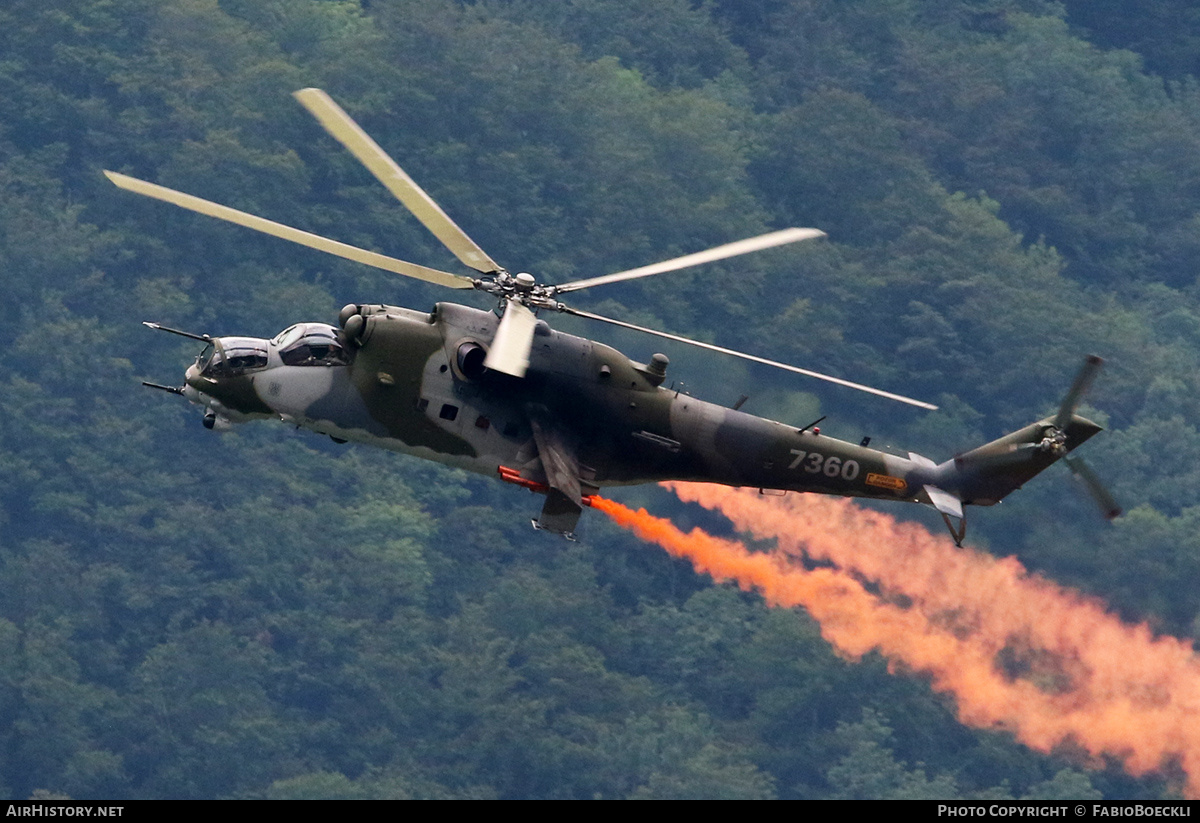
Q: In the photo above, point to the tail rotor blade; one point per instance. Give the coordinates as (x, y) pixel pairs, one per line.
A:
(1102, 496)
(1083, 381)
(510, 348)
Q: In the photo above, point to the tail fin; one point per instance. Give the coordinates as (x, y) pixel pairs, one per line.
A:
(986, 475)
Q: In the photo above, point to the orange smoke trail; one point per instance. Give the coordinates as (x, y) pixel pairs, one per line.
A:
(1119, 689)
(1109, 687)
(851, 618)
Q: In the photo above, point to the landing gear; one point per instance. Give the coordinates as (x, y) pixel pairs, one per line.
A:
(538, 527)
(560, 514)
(957, 532)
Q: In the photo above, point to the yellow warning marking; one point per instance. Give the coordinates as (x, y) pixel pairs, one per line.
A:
(886, 481)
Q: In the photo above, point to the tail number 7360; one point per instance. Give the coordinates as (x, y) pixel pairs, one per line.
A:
(815, 463)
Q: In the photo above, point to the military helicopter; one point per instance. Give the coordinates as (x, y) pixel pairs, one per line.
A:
(504, 393)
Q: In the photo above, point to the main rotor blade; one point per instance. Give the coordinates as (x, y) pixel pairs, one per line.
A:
(1102, 496)
(1083, 381)
(313, 241)
(349, 134)
(509, 352)
(880, 392)
(763, 241)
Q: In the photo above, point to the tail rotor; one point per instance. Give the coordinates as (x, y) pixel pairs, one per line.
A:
(1057, 438)
(1104, 499)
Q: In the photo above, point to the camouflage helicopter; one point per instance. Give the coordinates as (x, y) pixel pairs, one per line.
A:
(504, 393)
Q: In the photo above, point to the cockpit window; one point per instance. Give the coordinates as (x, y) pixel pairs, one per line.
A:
(205, 357)
(311, 344)
(233, 356)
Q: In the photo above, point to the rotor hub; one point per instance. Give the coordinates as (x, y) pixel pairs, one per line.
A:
(1054, 441)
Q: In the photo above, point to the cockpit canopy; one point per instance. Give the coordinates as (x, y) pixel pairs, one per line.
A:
(311, 344)
(231, 356)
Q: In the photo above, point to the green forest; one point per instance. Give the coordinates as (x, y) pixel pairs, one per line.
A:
(1007, 186)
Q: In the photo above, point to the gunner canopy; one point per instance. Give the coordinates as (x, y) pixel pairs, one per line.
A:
(311, 344)
(231, 356)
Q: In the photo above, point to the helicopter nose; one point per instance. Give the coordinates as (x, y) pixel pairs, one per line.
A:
(194, 386)
(192, 379)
